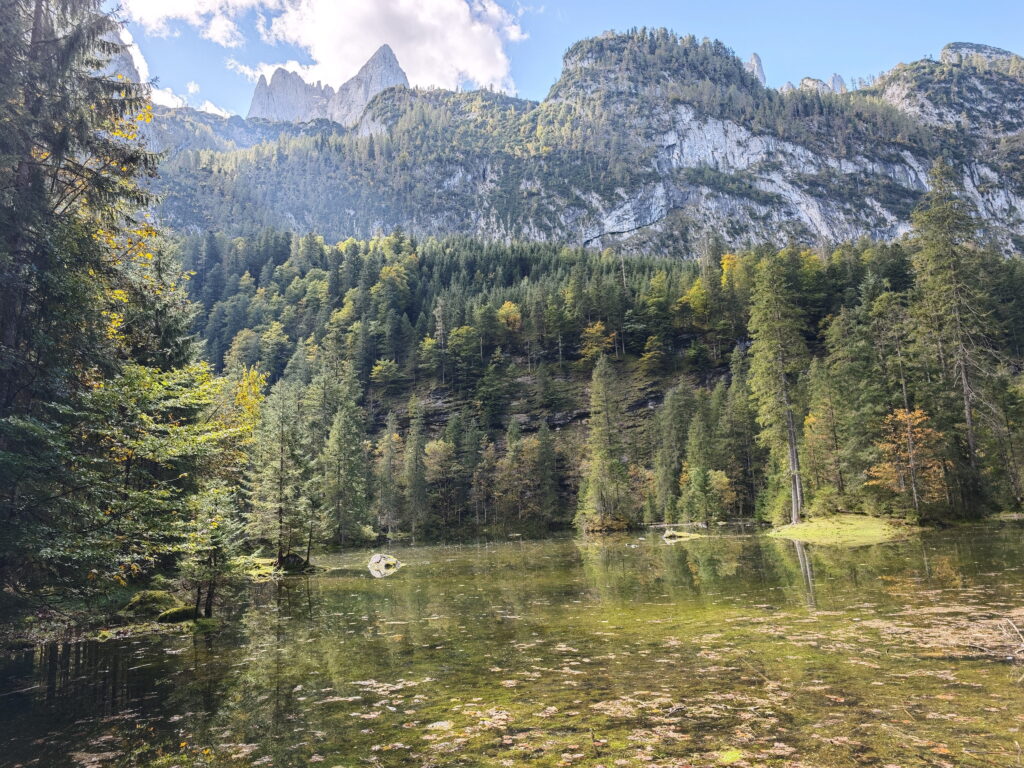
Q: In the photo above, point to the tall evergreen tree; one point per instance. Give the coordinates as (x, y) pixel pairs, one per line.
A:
(414, 476)
(344, 465)
(778, 356)
(954, 324)
(604, 500)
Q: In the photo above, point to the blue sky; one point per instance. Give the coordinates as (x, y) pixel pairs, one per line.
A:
(218, 46)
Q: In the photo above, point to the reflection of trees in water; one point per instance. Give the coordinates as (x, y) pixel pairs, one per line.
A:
(807, 571)
(623, 569)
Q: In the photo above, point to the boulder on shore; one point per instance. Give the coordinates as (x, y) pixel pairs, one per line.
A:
(293, 563)
(177, 615)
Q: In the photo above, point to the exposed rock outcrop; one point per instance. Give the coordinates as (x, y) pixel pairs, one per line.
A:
(958, 53)
(755, 68)
(836, 84)
(287, 97)
(382, 71)
(815, 85)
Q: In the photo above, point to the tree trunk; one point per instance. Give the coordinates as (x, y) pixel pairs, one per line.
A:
(796, 484)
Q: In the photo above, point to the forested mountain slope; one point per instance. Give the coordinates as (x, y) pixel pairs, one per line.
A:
(647, 140)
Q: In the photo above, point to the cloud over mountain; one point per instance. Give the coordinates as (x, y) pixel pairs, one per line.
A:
(443, 43)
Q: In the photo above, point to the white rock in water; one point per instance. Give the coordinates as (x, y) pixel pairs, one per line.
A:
(383, 565)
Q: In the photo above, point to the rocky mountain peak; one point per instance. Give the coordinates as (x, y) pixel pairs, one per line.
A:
(837, 84)
(381, 72)
(755, 68)
(958, 53)
(289, 98)
(813, 84)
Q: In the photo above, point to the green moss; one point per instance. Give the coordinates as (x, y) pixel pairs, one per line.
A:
(844, 531)
(176, 615)
(256, 568)
(148, 604)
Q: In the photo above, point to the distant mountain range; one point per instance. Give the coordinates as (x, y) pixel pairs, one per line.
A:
(647, 141)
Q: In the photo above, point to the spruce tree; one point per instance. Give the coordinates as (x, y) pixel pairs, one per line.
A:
(343, 464)
(778, 357)
(953, 316)
(387, 476)
(414, 476)
(604, 500)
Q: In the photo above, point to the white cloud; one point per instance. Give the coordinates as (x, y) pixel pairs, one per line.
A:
(208, 15)
(266, 70)
(165, 97)
(213, 109)
(223, 31)
(438, 42)
(192, 87)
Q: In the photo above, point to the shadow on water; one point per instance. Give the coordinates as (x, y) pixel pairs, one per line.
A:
(825, 650)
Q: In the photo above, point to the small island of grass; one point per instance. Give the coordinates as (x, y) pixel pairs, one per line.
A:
(844, 531)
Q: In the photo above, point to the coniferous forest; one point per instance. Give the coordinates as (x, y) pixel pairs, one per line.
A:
(173, 402)
(270, 498)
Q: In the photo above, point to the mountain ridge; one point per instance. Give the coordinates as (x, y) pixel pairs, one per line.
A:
(647, 141)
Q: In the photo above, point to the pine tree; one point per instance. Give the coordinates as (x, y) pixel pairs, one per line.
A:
(778, 356)
(387, 474)
(953, 318)
(672, 424)
(343, 464)
(546, 473)
(282, 513)
(604, 501)
(414, 477)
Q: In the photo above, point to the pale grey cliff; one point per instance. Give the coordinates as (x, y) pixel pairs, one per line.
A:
(679, 165)
(289, 98)
(815, 85)
(382, 71)
(755, 68)
(957, 53)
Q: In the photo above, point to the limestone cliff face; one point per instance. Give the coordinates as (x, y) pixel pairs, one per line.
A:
(289, 98)
(959, 53)
(638, 158)
(382, 71)
(755, 68)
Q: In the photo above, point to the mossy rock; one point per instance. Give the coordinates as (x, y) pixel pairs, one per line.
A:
(149, 603)
(293, 563)
(177, 615)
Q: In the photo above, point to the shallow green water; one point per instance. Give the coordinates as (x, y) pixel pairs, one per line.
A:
(732, 650)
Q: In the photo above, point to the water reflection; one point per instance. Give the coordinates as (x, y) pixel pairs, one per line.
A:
(337, 664)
